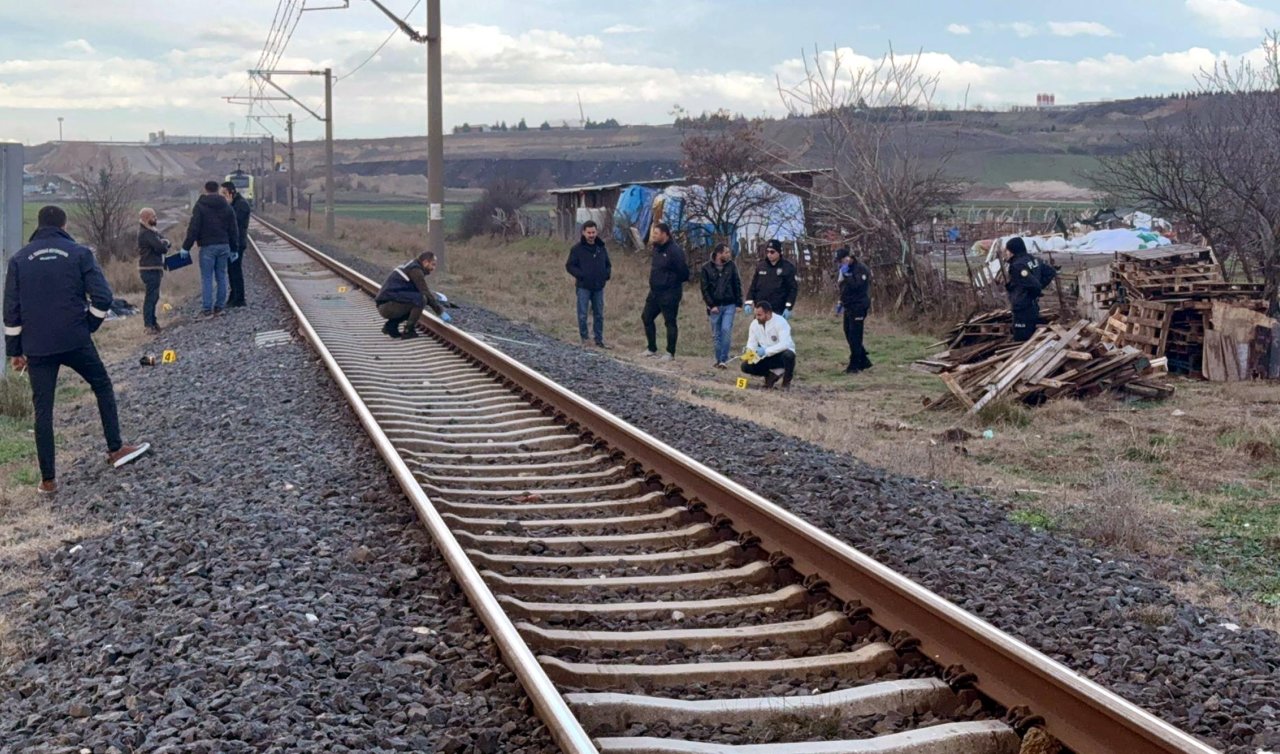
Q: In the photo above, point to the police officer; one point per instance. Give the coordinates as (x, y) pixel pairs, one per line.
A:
(774, 281)
(1027, 278)
(235, 270)
(855, 302)
(405, 294)
(55, 296)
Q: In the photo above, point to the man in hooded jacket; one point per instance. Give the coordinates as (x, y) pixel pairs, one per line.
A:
(213, 227)
(1027, 278)
(589, 265)
(235, 272)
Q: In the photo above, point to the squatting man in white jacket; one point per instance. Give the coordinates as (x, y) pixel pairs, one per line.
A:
(770, 339)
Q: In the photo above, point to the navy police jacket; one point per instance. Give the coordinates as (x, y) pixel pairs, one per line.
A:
(55, 295)
(407, 284)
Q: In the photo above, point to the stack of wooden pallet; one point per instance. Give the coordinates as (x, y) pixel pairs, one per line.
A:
(975, 339)
(1058, 361)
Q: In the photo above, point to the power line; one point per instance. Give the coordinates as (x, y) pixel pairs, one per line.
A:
(375, 52)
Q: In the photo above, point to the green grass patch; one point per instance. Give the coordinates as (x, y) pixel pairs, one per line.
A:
(27, 476)
(15, 397)
(1006, 413)
(16, 440)
(1035, 519)
(1157, 449)
(1244, 541)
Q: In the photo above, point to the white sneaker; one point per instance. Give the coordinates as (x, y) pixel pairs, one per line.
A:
(648, 354)
(666, 357)
(721, 365)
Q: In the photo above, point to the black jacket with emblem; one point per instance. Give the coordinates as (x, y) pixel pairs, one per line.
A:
(240, 208)
(55, 296)
(407, 284)
(151, 248)
(213, 222)
(1027, 278)
(775, 283)
(855, 288)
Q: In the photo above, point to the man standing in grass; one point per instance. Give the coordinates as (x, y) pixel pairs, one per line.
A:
(55, 298)
(668, 272)
(855, 302)
(589, 265)
(722, 293)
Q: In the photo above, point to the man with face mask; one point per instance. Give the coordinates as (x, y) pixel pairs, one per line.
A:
(151, 250)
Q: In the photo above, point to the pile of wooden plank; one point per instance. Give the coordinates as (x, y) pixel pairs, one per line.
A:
(1161, 301)
(975, 339)
(1058, 361)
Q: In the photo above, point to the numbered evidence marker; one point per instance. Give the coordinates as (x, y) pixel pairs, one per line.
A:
(166, 307)
(168, 357)
(742, 383)
(342, 289)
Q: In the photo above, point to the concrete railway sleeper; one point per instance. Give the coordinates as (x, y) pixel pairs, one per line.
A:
(648, 604)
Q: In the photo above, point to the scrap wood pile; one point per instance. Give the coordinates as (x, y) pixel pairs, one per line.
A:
(1058, 361)
(975, 339)
(1175, 303)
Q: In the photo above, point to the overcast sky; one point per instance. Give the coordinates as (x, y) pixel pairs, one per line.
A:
(118, 70)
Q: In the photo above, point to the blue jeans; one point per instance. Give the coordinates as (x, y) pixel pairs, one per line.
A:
(213, 261)
(722, 331)
(596, 301)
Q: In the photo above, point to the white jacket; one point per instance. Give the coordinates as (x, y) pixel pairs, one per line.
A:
(774, 336)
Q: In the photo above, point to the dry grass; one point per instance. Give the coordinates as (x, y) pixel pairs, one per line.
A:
(1196, 476)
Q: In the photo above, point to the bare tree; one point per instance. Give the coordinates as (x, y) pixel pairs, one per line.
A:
(729, 167)
(883, 181)
(105, 210)
(1218, 166)
(498, 209)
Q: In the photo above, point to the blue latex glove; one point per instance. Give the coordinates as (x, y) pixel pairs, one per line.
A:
(186, 253)
(786, 314)
(446, 317)
(761, 352)
(746, 309)
(234, 257)
(844, 270)
(839, 308)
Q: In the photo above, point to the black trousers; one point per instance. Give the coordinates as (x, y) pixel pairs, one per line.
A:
(785, 361)
(151, 279)
(44, 386)
(1025, 320)
(235, 280)
(396, 312)
(666, 303)
(854, 322)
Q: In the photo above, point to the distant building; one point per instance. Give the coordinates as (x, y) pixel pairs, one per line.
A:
(160, 138)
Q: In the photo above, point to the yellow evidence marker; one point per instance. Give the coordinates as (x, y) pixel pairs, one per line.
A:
(742, 383)
(168, 357)
(342, 289)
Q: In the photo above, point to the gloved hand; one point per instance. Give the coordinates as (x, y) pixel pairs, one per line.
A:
(186, 253)
(446, 317)
(844, 270)
(235, 257)
(760, 352)
(746, 308)
(786, 314)
(839, 308)
(94, 322)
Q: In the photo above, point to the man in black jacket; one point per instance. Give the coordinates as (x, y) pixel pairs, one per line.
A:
(589, 265)
(235, 273)
(722, 293)
(668, 272)
(1027, 278)
(152, 248)
(48, 324)
(855, 302)
(213, 227)
(405, 294)
(774, 281)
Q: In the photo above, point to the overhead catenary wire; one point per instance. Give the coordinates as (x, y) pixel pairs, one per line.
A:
(378, 50)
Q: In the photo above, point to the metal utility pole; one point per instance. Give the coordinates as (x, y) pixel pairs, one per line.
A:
(293, 181)
(10, 209)
(435, 124)
(59, 128)
(327, 119)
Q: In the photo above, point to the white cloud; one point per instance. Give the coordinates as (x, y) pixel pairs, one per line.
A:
(626, 29)
(1021, 28)
(1232, 18)
(79, 45)
(1079, 28)
(958, 29)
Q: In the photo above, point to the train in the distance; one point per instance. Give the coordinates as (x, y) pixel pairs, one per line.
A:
(244, 185)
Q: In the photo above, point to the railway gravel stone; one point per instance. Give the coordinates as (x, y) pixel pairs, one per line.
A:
(260, 583)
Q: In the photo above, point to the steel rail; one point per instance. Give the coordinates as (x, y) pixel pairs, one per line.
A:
(1083, 715)
(550, 705)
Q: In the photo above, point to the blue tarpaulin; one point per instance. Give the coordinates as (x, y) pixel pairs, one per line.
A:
(635, 210)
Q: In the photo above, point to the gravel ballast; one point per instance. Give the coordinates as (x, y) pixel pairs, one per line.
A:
(1081, 605)
(263, 585)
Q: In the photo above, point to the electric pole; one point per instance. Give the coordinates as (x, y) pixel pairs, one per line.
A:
(328, 152)
(293, 181)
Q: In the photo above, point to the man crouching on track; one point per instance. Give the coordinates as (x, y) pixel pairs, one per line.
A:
(405, 294)
(775, 352)
(49, 324)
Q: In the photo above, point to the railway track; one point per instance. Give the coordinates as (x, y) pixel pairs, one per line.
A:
(651, 606)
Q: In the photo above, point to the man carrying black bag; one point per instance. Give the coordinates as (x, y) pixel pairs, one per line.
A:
(55, 297)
